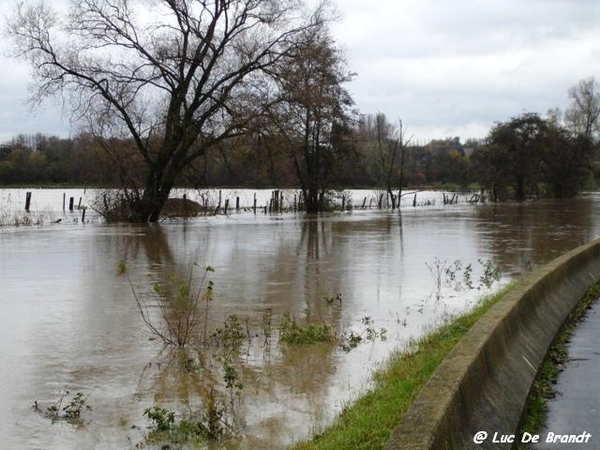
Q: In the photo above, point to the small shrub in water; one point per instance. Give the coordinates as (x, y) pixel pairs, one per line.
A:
(162, 418)
(330, 298)
(290, 332)
(350, 341)
(231, 335)
(491, 273)
(71, 412)
(179, 312)
(198, 427)
(232, 378)
(467, 277)
(449, 275)
(372, 333)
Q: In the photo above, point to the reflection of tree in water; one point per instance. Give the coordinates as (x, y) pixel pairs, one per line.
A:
(177, 374)
(318, 271)
(149, 238)
(314, 238)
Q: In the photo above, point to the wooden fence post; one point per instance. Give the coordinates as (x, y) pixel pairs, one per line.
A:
(27, 201)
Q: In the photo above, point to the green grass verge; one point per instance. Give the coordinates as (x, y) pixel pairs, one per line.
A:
(544, 385)
(369, 422)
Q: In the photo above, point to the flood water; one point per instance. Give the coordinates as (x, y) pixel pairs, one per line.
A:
(69, 319)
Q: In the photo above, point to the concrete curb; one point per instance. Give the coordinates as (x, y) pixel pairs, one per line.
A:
(483, 384)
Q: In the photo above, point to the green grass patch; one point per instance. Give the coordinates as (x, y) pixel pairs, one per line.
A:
(369, 422)
(291, 332)
(544, 385)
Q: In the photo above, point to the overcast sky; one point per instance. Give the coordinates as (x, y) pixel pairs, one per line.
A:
(446, 68)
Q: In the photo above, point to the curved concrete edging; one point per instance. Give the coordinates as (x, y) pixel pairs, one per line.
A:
(483, 383)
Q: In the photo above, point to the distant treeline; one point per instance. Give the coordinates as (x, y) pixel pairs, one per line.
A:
(524, 157)
(40, 159)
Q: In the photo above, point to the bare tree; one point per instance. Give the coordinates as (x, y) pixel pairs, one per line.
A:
(177, 77)
(391, 148)
(386, 152)
(402, 142)
(583, 113)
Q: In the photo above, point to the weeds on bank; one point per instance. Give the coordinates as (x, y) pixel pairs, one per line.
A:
(459, 277)
(368, 423)
(290, 332)
(350, 340)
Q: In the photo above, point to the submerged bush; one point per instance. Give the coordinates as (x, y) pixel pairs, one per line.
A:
(180, 312)
(70, 412)
(231, 335)
(209, 424)
(290, 332)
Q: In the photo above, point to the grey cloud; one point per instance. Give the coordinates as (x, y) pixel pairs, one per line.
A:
(443, 67)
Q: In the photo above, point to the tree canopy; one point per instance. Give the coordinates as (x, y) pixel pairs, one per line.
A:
(176, 76)
(313, 112)
(531, 156)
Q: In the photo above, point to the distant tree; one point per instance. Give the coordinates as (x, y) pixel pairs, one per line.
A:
(522, 143)
(582, 115)
(177, 77)
(387, 153)
(448, 162)
(554, 116)
(452, 166)
(567, 164)
(490, 168)
(387, 145)
(313, 111)
(529, 153)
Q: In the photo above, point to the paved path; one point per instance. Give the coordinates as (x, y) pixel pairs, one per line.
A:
(576, 408)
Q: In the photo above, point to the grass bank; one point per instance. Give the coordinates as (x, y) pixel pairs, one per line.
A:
(544, 385)
(369, 422)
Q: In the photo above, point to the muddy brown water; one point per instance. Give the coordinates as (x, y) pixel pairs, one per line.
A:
(69, 320)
